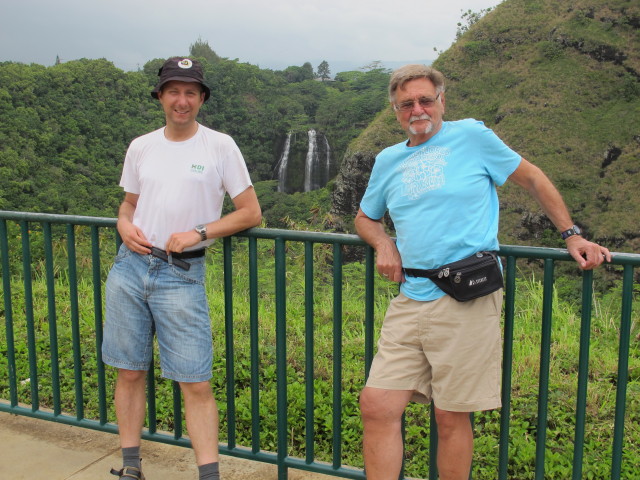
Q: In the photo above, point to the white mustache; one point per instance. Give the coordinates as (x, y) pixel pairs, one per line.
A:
(416, 118)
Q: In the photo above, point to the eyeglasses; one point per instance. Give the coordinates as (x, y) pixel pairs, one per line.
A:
(424, 102)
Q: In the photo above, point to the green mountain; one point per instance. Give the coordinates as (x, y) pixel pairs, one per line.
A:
(559, 81)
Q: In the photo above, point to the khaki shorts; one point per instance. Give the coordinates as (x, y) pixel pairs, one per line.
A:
(444, 350)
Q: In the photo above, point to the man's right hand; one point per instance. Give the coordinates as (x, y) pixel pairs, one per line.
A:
(388, 261)
(133, 237)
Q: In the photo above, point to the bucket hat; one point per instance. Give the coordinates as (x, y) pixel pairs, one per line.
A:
(183, 70)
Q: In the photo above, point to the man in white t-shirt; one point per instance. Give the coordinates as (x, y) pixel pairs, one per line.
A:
(439, 188)
(175, 180)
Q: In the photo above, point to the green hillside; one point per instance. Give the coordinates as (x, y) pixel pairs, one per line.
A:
(559, 81)
(64, 129)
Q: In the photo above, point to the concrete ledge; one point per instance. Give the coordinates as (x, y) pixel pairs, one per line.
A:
(34, 449)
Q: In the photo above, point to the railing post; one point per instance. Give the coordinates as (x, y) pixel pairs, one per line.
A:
(75, 319)
(8, 313)
(177, 409)
(51, 316)
(281, 358)
(369, 312)
(229, 341)
(545, 356)
(254, 343)
(309, 354)
(507, 366)
(98, 323)
(151, 397)
(583, 373)
(623, 372)
(28, 306)
(337, 355)
(433, 443)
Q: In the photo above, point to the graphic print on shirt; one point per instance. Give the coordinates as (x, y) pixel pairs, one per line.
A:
(424, 171)
(195, 168)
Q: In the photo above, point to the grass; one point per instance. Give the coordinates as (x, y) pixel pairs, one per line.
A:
(564, 350)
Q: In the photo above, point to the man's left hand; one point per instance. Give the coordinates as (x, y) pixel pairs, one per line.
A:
(589, 255)
(179, 241)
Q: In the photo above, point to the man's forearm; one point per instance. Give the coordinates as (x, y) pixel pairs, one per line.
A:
(233, 222)
(125, 212)
(388, 261)
(371, 231)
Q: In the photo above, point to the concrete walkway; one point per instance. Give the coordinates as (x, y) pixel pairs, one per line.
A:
(33, 449)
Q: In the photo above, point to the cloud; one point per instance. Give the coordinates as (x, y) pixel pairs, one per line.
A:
(284, 32)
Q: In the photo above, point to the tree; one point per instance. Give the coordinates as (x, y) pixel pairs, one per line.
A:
(468, 19)
(295, 74)
(323, 71)
(375, 65)
(202, 49)
(307, 70)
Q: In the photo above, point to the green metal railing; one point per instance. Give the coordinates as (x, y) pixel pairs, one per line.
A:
(13, 247)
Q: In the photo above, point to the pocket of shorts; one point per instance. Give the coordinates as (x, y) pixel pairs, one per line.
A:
(498, 300)
(194, 275)
(123, 252)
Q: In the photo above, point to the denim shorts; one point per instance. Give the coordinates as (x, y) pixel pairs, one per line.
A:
(146, 295)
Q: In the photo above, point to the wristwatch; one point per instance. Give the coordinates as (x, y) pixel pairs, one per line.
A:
(574, 230)
(202, 230)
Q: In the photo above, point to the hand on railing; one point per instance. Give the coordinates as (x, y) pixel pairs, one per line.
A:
(589, 255)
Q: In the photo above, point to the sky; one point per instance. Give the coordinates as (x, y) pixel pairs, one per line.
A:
(348, 34)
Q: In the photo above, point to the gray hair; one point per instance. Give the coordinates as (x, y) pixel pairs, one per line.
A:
(411, 72)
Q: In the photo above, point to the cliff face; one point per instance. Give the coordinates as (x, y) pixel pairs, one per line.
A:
(351, 183)
(559, 82)
(357, 163)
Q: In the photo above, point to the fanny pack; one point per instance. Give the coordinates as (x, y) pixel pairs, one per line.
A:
(466, 279)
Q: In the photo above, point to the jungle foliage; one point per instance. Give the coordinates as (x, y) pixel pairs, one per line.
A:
(64, 129)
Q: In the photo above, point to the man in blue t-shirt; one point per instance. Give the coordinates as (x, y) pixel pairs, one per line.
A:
(439, 188)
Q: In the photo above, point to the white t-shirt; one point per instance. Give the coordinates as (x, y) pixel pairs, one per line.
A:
(182, 184)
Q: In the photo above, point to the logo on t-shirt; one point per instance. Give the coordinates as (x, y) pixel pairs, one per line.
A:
(424, 171)
(197, 168)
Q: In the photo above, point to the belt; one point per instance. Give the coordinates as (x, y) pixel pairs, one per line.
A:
(177, 259)
(417, 272)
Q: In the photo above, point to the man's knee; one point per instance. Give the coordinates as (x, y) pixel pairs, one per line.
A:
(131, 376)
(201, 390)
(451, 422)
(381, 404)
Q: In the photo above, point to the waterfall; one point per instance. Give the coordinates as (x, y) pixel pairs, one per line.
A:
(304, 163)
(282, 164)
(310, 163)
(327, 172)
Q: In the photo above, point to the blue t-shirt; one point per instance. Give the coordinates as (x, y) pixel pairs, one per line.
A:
(441, 196)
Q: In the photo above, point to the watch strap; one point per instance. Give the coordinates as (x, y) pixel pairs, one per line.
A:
(202, 230)
(570, 232)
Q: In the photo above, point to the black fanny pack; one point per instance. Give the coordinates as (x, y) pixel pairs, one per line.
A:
(466, 279)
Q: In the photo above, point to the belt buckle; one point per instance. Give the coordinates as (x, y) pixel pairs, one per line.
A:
(162, 255)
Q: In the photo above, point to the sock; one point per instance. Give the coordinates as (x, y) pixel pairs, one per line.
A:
(209, 471)
(131, 457)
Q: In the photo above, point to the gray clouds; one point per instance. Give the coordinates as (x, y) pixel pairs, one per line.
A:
(271, 34)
